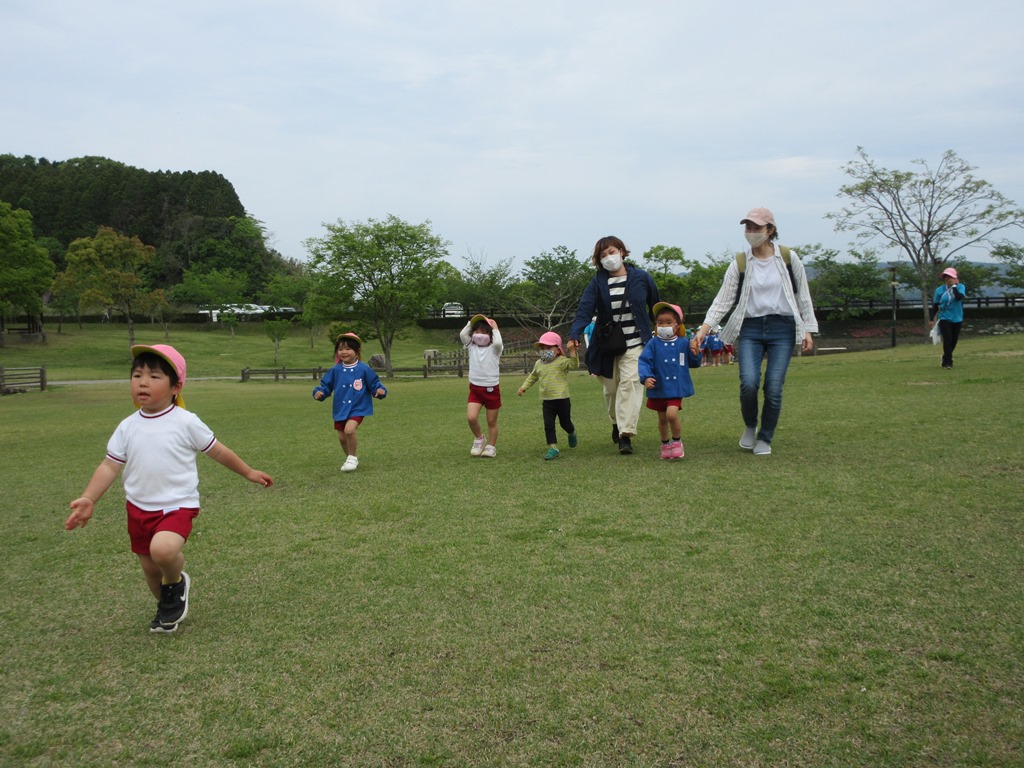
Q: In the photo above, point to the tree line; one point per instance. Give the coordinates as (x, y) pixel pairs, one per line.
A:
(91, 233)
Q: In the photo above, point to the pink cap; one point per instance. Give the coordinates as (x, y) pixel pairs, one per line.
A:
(172, 356)
(551, 339)
(663, 305)
(168, 353)
(759, 216)
(950, 272)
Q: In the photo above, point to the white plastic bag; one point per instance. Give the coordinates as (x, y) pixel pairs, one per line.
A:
(934, 333)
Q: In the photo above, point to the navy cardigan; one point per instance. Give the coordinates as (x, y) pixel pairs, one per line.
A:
(642, 294)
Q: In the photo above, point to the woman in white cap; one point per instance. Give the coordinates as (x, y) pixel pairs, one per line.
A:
(948, 312)
(768, 287)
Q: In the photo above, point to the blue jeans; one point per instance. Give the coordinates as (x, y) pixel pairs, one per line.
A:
(772, 337)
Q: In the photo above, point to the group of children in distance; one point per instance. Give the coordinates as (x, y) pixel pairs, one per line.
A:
(156, 446)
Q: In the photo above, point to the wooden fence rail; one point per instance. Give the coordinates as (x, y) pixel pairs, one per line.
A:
(282, 374)
(14, 380)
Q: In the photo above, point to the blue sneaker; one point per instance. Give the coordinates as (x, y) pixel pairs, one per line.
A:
(551, 454)
(573, 440)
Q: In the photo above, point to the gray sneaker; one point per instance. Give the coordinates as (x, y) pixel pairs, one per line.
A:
(761, 448)
(749, 438)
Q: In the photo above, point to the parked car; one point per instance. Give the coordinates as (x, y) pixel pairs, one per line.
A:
(453, 310)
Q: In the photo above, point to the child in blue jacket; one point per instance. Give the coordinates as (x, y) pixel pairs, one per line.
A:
(354, 385)
(664, 369)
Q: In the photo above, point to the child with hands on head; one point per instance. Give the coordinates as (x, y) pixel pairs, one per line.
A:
(552, 371)
(354, 384)
(664, 369)
(156, 447)
(483, 343)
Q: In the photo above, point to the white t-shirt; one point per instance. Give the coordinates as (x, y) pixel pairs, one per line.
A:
(158, 452)
(767, 296)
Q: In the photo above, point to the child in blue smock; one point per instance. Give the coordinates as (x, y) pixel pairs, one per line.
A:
(354, 384)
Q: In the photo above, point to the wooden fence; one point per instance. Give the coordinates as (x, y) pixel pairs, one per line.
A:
(282, 374)
(13, 380)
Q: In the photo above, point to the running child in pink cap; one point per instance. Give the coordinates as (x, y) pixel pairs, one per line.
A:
(664, 369)
(552, 371)
(156, 447)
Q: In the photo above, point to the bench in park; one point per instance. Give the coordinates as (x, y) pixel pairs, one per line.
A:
(282, 374)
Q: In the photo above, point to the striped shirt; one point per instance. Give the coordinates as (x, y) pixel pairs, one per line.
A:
(621, 311)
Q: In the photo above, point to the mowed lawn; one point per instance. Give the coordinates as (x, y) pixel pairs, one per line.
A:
(854, 599)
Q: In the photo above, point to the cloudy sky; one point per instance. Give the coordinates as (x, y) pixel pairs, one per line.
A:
(516, 127)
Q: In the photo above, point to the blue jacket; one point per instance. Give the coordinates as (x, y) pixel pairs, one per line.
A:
(642, 294)
(948, 303)
(669, 364)
(353, 388)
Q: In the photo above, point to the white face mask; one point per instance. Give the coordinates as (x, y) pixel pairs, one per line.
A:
(756, 238)
(611, 262)
(547, 355)
(481, 339)
(666, 331)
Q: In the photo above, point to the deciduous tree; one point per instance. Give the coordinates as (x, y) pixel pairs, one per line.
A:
(26, 271)
(930, 214)
(383, 274)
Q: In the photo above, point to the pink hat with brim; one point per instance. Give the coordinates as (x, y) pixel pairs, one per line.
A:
(950, 272)
(477, 318)
(172, 356)
(663, 305)
(759, 216)
(550, 339)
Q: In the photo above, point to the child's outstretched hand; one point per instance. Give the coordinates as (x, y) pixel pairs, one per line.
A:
(649, 382)
(380, 394)
(82, 508)
(260, 478)
(318, 395)
(520, 391)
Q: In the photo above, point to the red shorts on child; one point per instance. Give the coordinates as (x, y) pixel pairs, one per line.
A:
(488, 397)
(143, 525)
(340, 425)
(661, 404)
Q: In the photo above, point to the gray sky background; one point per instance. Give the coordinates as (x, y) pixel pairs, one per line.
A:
(516, 127)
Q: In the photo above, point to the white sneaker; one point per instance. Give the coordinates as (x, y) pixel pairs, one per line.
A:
(350, 465)
(749, 438)
(478, 446)
(489, 452)
(761, 448)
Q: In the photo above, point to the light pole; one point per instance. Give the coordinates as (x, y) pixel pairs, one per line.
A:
(893, 284)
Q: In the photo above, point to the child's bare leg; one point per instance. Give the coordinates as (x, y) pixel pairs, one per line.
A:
(350, 437)
(663, 426)
(673, 423)
(473, 417)
(165, 552)
(154, 576)
(492, 426)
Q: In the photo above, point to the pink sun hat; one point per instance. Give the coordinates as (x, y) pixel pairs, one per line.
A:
(550, 339)
(172, 356)
(663, 305)
(759, 216)
(950, 272)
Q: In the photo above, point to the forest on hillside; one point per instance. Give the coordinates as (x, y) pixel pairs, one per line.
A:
(192, 219)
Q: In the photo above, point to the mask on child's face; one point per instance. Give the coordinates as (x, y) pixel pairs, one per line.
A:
(481, 339)
(547, 355)
(666, 331)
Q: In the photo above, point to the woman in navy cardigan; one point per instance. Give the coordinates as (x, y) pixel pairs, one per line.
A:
(623, 295)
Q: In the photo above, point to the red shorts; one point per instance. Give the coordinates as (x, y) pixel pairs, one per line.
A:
(143, 525)
(488, 397)
(661, 404)
(340, 425)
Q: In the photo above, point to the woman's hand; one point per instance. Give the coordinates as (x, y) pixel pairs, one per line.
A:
(808, 343)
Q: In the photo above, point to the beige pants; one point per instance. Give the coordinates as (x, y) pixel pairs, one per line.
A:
(624, 392)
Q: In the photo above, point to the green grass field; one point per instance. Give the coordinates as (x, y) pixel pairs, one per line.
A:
(854, 599)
